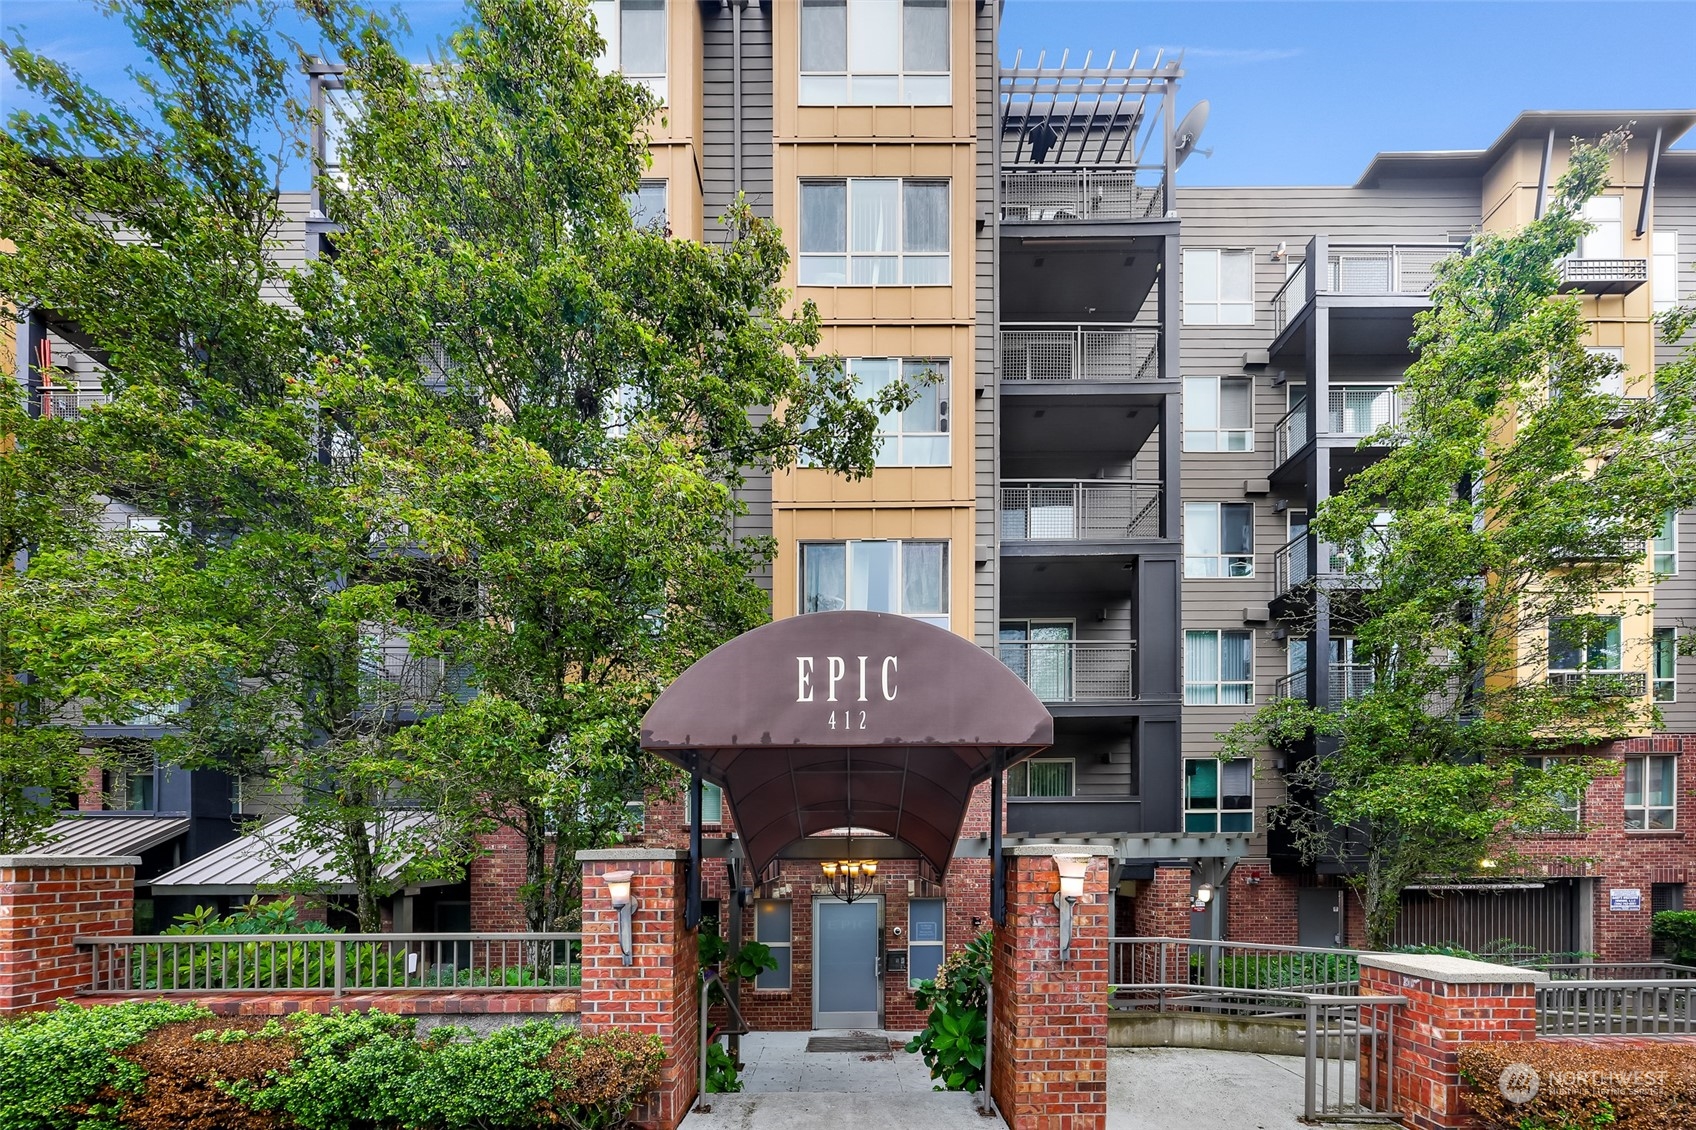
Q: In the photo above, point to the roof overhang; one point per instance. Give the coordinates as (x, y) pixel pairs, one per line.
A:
(847, 719)
(97, 833)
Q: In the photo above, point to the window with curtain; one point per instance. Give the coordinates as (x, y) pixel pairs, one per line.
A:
(1665, 658)
(773, 926)
(916, 436)
(1218, 668)
(874, 53)
(1218, 795)
(1040, 653)
(905, 577)
(1650, 793)
(1218, 287)
(635, 35)
(1218, 414)
(874, 231)
(1590, 643)
(926, 924)
(712, 805)
(1606, 238)
(1041, 777)
(648, 204)
(1665, 545)
(1218, 539)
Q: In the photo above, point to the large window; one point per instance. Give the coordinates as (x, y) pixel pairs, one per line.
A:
(1218, 668)
(1040, 653)
(1218, 539)
(1612, 382)
(916, 436)
(1665, 659)
(773, 925)
(1042, 777)
(1570, 805)
(908, 577)
(1590, 643)
(1606, 237)
(874, 53)
(1663, 271)
(635, 35)
(712, 805)
(1218, 414)
(1651, 785)
(1218, 795)
(1665, 545)
(926, 924)
(874, 231)
(1218, 287)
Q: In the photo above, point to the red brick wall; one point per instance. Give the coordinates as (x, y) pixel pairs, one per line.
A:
(1048, 1066)
(1162, 905)
(496, 877)
(45, 903)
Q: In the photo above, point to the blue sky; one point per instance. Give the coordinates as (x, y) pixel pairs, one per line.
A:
(1301, 93)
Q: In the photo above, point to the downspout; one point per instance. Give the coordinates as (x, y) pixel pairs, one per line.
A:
(1647, 202)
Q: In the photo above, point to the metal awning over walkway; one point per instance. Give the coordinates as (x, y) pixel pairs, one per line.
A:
(270, 857)
(98, 833)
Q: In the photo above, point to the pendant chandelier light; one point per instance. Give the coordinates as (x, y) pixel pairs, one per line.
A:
(850, 878)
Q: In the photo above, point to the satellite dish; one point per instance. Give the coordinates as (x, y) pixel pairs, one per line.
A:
(1189, 132)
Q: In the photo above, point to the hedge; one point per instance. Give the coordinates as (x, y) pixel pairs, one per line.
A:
(1585, 1086)
(157, 1066)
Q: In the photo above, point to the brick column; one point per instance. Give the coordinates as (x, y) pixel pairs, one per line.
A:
(1451, 1001)
(658, 993)
(46, 902)
(1048, 1068)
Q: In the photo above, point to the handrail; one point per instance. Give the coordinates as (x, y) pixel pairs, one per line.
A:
(710, 977)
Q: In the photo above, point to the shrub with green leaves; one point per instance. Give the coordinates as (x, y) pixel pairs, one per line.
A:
(1677, 927)
(954, 1037)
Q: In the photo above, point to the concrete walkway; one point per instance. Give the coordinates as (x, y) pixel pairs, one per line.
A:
(1191, 1089)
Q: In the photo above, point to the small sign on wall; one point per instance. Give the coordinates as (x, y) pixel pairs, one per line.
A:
(1625, 898)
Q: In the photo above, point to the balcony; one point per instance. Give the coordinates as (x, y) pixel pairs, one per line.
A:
(1612, 684)
(1061, 195)
(1603, 276)
(1353, 412)
(1362, 269)
(1291, 434)
(1080, 353)
(1293, 565)
(68, 403)
(1347, 681)
(392, 675)
(1073, 670)
(1079, 510)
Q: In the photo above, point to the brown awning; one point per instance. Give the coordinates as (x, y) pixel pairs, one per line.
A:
(847, 719)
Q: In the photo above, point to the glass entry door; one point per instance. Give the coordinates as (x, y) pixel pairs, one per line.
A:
(847, 986)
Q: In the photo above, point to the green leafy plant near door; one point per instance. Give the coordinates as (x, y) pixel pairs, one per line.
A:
(954, 1038)
(752, 959)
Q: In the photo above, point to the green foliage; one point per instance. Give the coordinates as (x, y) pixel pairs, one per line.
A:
(1677, 927)
(956, 1032)
(722, 1076)
(753, 959)
(1277, 971)
(53, 1065)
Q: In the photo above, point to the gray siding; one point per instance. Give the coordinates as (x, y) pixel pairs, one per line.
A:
(719, 114)
(985, 438)
(1675, 598)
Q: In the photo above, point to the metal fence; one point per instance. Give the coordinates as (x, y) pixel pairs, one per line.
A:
(69, 403)
(1349, 1073)
(333, 963)
(1079, 510)
(1073, 670)
(1618, 684)
(1365, 268)
(1062, 194)
(1233, 965)
(1291, 434)
(1616, 1008)
(1361, 410)
(1097, 352)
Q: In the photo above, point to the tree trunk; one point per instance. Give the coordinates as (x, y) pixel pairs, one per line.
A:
(364, 866)
(535, 869)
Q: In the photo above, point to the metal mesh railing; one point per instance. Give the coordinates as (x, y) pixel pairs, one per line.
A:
(1619, 684)
(1291, 435)
(1360, 410)
(1351, 680)
(1383, 268)
(1061, 194)
(1291, 297)
(392, 672)
(1073, 670)
(1080, 353)
(1580, 271)
(69, 403)
(1616, 1008)
(1079, 510)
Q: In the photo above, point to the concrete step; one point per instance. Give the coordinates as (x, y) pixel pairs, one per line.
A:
(836, 1110)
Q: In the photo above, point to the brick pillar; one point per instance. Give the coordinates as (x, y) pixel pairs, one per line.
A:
(658, 993)
(1048, 1067)
(1451, 1001)
(46, 903)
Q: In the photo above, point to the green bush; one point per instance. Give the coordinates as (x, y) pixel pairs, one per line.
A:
(722, 1076)
(1679, 928)
(54, 1064)
(237, 964)
(1277, 971)
(957, 1029)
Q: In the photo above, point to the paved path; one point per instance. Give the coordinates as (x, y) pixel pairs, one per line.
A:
(1190, 1089)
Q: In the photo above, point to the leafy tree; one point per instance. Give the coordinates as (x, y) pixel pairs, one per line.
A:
(1521, 495)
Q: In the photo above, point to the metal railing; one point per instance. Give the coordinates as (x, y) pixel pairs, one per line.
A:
(1291, 297)
(1192, 962)
(69, 403)
(1361, 410)
(1073, 670)
(395, 672)
(1291, 434)
(1079, 510)
(1618, 971)
(335, 964)
(1607, 273)
(1099, 352)
(1061, 194)
(1362, 268)
(1616, 1008)
(1350, 1062)
(1617, 684)
(1347, 681)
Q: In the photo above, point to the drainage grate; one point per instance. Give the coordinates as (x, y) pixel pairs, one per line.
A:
(856, 1043)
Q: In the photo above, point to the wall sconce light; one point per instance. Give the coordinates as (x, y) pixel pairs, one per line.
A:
(623, 901)
(1071, 892)
(1203, 896)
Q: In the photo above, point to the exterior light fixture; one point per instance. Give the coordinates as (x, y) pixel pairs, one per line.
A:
(1071, 892)
(1203, 896)
(850, 878)
(623, 901)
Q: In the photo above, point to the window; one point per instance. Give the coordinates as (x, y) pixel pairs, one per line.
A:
(1218, 668)
(1040, 653)
(712, 805)
(130, 785)
(1218, 414)
(1218, 287)
(874, 53)
(874, 231)
(1612, 382)
(908, 577)
(773, 919)
(1570, 806)
(635, 35)
(1606, 239)
(926, 919)
(1665, 659)
(1663, 271)
(917, 436)
(1650, 785)
(1218, 795)
(1664, 546)
(1218, 539)
(1041, 777)
(1590, 643)
(648, 205)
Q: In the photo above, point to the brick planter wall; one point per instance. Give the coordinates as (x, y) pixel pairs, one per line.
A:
(45, 903)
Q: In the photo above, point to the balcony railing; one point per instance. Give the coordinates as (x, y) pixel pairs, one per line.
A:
(1361, 410)
(1073, 670)
(1379, 268)
(394, 674)
(1291, 435)
(1347, 681)
(1293, 564)
(1079, 510)
(1062, 194)
(1604, 276)
(1080, 353)
(1616, 684)
(69, 403)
